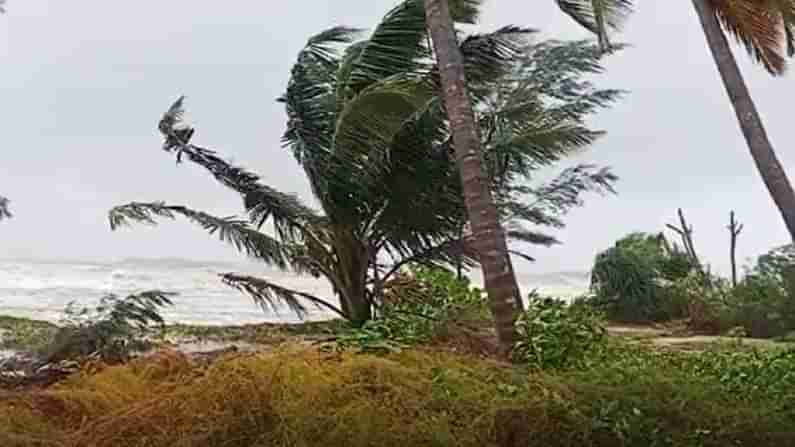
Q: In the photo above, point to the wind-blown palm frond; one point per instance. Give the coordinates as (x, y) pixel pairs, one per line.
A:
(565, 191)
(489, 57)
(598, 16)
(397, 46)
(758, 27)
(5, 213)
(787, 10)
(370, 121)
(139, 310)
(262, 202)
(267, 294)
(230, 230)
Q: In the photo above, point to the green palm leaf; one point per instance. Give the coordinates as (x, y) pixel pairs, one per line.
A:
(230, 230)
(268, 295)
(289, 216)
(598, 16)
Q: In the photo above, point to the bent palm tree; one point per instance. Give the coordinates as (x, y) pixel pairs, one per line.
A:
(766, 28)
(369, 131)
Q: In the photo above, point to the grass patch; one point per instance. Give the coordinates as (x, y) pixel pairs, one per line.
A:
(25, 334)
(422, 397)
(267, 333)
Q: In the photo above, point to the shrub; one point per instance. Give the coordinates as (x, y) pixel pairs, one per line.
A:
(416, 305)
(628, 280)
(304, 398)
(555, 335)
(113, 329)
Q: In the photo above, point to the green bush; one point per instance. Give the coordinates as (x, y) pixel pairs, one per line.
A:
(629, 280)
(760, 304)
(553, 334)
(416, 305)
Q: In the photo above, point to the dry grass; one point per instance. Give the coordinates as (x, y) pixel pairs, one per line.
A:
(305, 397)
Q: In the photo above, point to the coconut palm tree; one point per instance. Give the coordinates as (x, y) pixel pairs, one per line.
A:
(489, 238)
(368, 128)
(766, 28)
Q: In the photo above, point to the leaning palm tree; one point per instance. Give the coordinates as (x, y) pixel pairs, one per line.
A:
(489, 238)
(369, 131)
(766, 28)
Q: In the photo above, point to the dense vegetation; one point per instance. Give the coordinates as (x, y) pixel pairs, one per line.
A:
(645, 278)
(407, 376)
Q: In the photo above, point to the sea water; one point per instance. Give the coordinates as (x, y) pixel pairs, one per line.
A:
(42, 289)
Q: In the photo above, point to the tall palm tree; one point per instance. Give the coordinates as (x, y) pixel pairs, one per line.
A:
(489, 238)
(369, 132)
(766, 28)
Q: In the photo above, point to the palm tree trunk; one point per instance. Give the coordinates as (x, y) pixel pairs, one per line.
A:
(762, 152)
(489, 237)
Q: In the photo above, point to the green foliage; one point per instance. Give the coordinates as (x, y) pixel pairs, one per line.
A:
(632, 397)
(25, 334)
(762, 302)
(416, 306)
(553, 334)
(629, 280)
(112, 330)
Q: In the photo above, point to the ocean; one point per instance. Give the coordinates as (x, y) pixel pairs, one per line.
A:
(42, 289)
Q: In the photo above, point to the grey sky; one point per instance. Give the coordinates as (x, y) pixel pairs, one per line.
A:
(83, 83)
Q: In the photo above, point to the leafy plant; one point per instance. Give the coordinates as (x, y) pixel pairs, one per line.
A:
(553, 334)
(417, 304)
(628, 280)
(113, 329)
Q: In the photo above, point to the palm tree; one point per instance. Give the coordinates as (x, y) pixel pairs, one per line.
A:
(764, 27)
(489, 238)
(369, 131)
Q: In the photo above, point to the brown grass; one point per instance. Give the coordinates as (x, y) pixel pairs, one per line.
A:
(304, 397)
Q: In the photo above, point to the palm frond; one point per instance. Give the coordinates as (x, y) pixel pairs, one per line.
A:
(290, 217)
(465, 11)
(370, 120)
(322, 47)
(538, 144)
(5, 213)
(519, 234)
(489, 57)
(565, 191)
(787, 10)
(598, 16)
(139, 310)
(268, 295)
(229, 229)
(396, 46)
(756, 26)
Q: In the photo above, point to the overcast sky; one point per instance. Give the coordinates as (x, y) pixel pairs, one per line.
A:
(83, 84)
